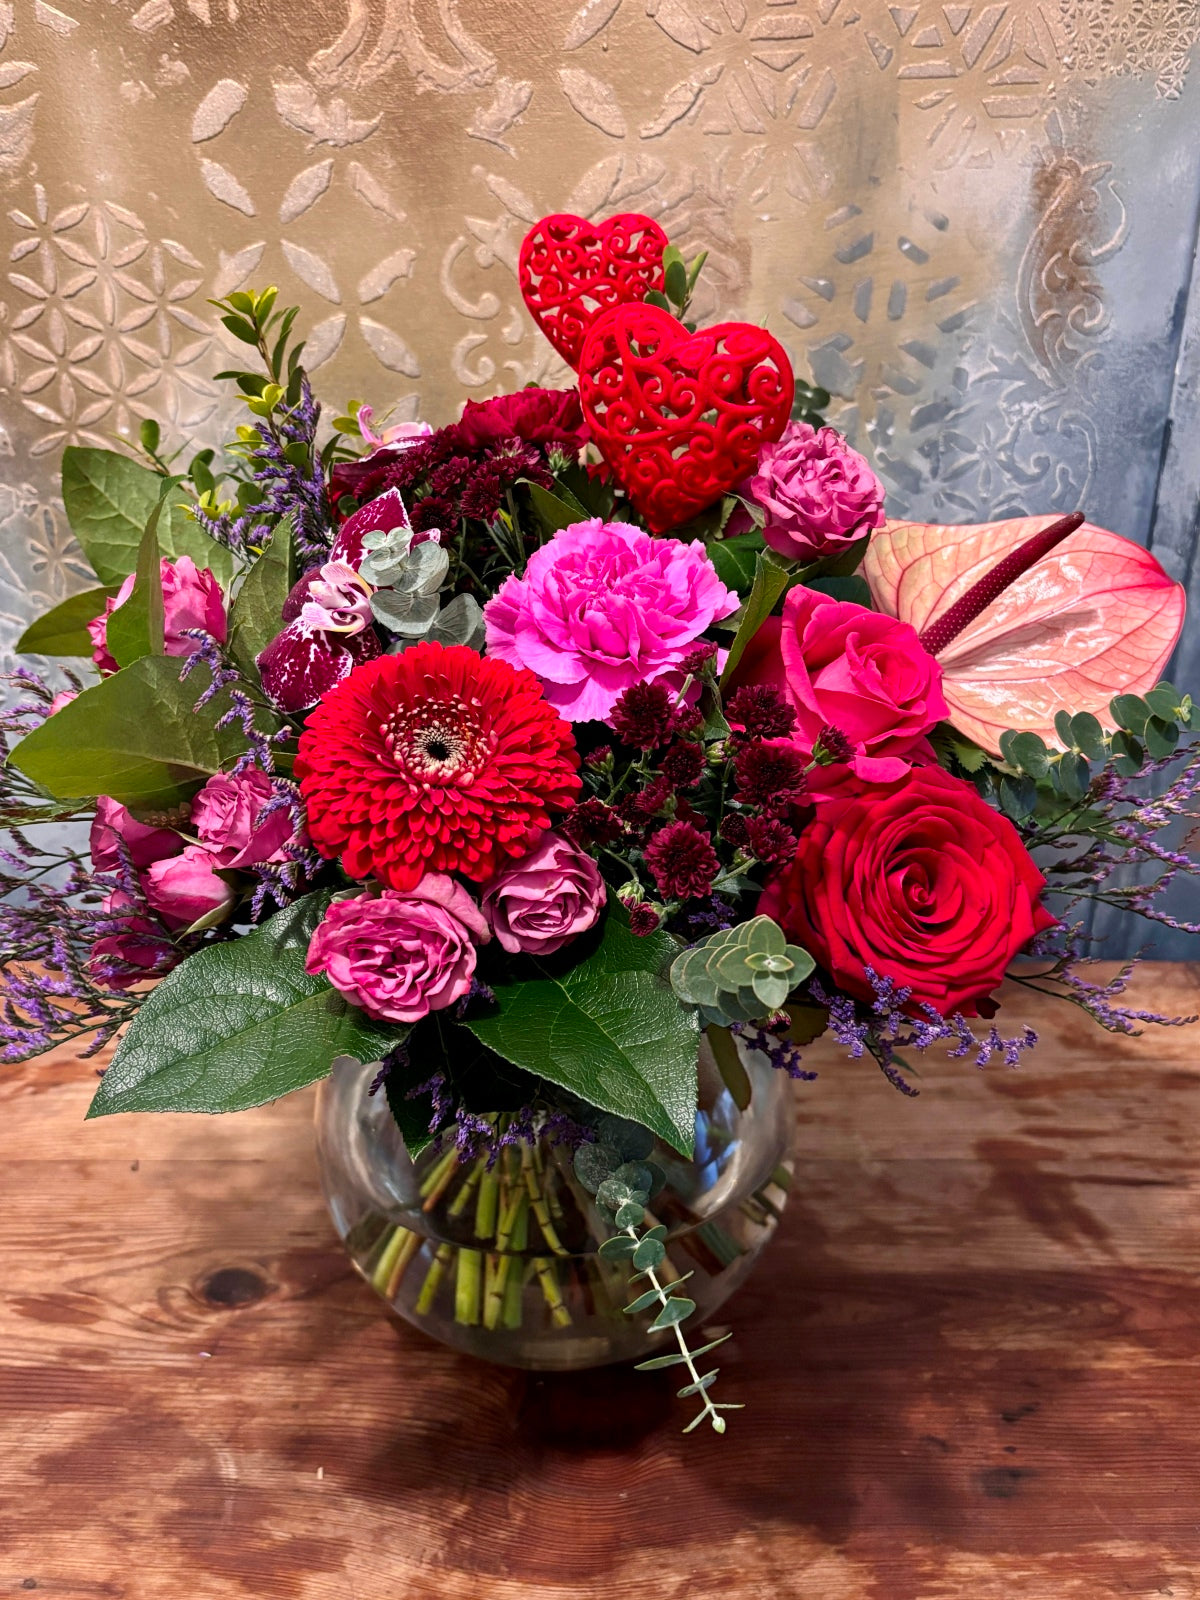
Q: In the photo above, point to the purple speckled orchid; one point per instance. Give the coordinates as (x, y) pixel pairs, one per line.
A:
(328, 633)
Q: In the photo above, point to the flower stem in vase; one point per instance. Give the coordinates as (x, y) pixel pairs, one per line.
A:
(560, 1314)
(438, 1179)
(399, 1251)
(468, 1288)
(464, 1196)
(537, 1200)
(433, 1279)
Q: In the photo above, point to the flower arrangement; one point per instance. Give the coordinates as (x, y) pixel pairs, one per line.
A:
(516, 753)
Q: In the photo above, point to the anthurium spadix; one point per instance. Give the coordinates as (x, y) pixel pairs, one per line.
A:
(1028, 617)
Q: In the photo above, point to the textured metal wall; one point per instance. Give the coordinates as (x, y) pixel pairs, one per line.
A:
(974, 222)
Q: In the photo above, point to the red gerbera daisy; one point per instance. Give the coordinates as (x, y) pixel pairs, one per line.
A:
(435, 760)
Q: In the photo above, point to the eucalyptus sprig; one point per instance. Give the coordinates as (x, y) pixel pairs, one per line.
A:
(616, 1170)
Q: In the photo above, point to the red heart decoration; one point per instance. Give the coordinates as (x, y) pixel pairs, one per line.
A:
(680, 417)
(571, 270)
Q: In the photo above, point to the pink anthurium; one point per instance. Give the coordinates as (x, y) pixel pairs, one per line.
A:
(1084, 615)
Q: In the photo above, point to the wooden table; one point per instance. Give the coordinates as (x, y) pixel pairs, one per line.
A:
(970, 1361)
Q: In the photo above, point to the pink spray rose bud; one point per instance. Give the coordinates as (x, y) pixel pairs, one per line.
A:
(192, 598)
(400, 954)
(61, 699)
(226, 818)
(138, 952)
(545, 899)
(186, 888)
(819, 495)
(145, 845)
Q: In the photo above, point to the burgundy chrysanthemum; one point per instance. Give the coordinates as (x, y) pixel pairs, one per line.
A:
(682, 861)
(642, 716)
(643, 919)
(435, 760)
(698, 657)
(771, 840)
(683, 765)
(770, 775)
(832, 746)
(760, 711)
(591, 822)
(735, 829)
(644, 804)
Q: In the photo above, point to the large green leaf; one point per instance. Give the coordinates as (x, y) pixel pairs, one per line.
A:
(771, 577)
(135, 628)
(109, 499)
(556, 510)
(610, 1030)
(255, 618)
(239, 1024)
(63, 631)
(135, 736)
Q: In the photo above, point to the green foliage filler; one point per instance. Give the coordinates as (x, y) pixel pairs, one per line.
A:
(741, 974)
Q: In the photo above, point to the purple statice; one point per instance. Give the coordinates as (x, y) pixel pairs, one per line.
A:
(224, 675)
(1068, 978)
(699, 918)
(885, 1027)
(783, 1054)
(475, 1135)
(292, 490)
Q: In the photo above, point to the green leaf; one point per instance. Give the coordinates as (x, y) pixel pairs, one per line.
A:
(1161, 737)
(618, 1248)
(656, 1363)
(556, 511)
(648, 1254)
(1028, 751)
(1128, 754)
(109, 499)
(135, 629)
(135, 736)
(850, 587)
(676, 282)
(838, 565)
(1062, 727)
(255, 618)
(1018, 796)
(735, 559)
(677, 1309)
(238, 1024)
(608, 1029)
(1088, 736)
(63, 631)
(1163, 701)
(771, 578)
(1130, 711)
(1074, 775)
(729, 1064)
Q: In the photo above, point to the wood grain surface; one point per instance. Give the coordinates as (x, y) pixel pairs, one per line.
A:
(971, 1362)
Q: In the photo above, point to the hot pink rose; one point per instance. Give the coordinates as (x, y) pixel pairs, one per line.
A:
(399, 955)
(819, 495)
(862, 673)
(192, 598)
(602, 607)
(186, 887)
(545, 899)
(225, 817)
(144, 844)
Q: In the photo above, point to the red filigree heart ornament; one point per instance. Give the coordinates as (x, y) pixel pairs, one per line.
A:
(680, 417)
(572, 270)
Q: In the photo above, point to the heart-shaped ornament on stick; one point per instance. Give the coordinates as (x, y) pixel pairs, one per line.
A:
(572, 270)
(680, 417)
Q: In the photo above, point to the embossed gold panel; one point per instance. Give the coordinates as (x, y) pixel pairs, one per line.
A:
(973, 222)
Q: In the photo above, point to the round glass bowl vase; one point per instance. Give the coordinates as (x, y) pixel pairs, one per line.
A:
(504, 1264)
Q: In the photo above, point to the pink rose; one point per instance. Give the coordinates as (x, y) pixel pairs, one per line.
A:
(225, 817)
(545, 899)
(601, 607)
(819, 495)
(192, 598)
(138, 952)
(186, 887)
(145, 845)
(399, 955)
(61, 699)
(862, 673)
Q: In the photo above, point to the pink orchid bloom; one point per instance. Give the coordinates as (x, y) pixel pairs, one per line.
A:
(1095, 617)
(400, 436)
(328, 633)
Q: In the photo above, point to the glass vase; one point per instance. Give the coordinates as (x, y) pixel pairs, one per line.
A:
(502, 1262)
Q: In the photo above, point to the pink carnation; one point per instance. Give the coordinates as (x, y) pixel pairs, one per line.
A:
(602, 607)
(225, 818)
(819, 495)
(859, 672)
(545, 899)
(192, 599)
(399, 955)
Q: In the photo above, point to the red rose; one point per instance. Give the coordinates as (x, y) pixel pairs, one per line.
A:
(920, 880)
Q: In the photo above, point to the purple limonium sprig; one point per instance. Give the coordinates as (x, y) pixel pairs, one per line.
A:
(1070, 977)
(296, 491)
(224, 675)
(783, 1054)
(884, 1028)
(475, 1136)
